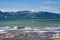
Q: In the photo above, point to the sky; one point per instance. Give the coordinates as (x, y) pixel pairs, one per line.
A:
(30, 5)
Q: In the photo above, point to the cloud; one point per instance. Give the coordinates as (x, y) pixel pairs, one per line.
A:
(45, 8)
(34, 10)
(49, 2)
(8, 10)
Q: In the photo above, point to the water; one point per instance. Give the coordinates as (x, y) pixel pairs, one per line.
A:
(30, 22)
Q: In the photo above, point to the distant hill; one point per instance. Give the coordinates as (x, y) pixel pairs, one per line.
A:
(29, 14)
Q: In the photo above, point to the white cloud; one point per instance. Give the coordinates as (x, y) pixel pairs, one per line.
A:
(49, 2)
(8, 10)
(34, 10)
(47, 8)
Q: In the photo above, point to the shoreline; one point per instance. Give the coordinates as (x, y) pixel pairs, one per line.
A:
(28, 33)
(31, 29)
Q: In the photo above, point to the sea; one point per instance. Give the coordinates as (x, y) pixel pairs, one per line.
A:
(36, 24)
(30, 22)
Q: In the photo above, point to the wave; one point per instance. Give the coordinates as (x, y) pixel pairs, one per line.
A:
(28, 29)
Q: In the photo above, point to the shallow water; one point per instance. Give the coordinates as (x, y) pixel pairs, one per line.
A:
(30, 22)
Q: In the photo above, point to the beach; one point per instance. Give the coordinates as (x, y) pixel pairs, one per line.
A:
(28, 33)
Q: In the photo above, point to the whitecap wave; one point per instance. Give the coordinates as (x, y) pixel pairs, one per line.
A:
(3, 31)
(29, 29)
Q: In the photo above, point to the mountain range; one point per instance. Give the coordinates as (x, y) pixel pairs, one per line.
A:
(29, 14)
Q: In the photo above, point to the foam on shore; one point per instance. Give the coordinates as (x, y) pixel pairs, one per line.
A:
(29, 29)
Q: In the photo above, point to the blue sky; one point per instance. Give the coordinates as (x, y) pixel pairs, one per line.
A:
(33, 5)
